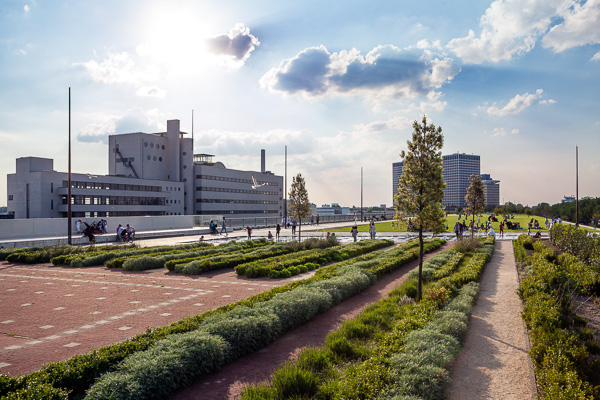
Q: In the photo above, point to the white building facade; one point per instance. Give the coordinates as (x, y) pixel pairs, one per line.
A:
(149, 174)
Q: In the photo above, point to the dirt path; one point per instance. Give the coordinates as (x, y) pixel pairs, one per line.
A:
(493, 363)
(230, 381)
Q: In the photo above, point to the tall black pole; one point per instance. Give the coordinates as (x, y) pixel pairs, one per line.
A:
(69, 177)
(361, 194)
(576, 186)
(285, 193)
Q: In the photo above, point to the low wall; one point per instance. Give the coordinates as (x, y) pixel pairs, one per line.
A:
(51, 227)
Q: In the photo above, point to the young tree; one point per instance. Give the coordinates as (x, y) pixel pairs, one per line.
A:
(421, 186)
(299, 205)
(475, 199)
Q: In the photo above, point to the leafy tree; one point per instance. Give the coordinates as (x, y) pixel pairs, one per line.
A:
(475, 198)
(421, 186)
(299, 205)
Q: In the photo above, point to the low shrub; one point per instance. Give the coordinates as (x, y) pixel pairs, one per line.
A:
(153, 375)
(578, 242)
(559, 355)
(467, 245)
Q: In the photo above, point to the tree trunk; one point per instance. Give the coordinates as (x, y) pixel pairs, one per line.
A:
(419, 292)
(299, 230)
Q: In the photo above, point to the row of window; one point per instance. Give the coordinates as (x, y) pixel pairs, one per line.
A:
(252, 191)
(229, 212)
(238, 180)
(228, 201)
(112, 186)
(101, 214)
(116, 200)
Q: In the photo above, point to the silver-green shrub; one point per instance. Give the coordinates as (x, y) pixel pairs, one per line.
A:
(152, 374)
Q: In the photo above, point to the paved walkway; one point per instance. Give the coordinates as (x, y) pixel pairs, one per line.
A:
(493, 363)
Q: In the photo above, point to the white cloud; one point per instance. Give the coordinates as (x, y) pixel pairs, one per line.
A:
(236, 45)
(121, 68)
(549, 101)
(386, 71)
(26, 8)
(578, 28)
(515, 131)
(509, 28)
(596, 56)
(134, 120)
(517, 104)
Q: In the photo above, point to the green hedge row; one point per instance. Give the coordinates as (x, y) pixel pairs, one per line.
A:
(75, 375)
(355, 361)
(583, 244)
(295, 263)
(198, 266)
(420, 370)
(104, 255)
(158, 260)
(559, 353)
(247, 329)
(45, 254)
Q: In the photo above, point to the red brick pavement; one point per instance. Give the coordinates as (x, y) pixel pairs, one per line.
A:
(50, 313)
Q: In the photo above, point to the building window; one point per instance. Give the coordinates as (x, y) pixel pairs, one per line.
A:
(51, 204)
(10, 197)
(163, 146)
(160, 158)
(148, 158)
(145, 144)
(51, 187)
(151, 145)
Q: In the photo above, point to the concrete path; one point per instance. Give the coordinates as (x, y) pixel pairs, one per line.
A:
(493, 363)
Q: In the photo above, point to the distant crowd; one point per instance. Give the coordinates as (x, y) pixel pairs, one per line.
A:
(124, 233)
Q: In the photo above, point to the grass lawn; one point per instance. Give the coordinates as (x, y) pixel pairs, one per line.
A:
(394, 226)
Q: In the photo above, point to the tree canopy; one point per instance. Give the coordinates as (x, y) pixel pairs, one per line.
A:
(299, 204)
(475, 198)
(421, 186)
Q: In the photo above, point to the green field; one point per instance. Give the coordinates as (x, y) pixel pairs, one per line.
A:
(394, 226)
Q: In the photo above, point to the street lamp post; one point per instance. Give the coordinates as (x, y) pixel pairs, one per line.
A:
(69, 178)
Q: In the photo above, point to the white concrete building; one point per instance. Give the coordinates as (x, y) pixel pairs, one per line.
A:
(149, 174)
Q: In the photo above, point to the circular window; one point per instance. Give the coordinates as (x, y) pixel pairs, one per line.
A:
(154, 158)
(185, 180)
(145, 144)
(185, 167)
(151, 145)
(163, 146)
(184, 153)
(149, 158)
(160, 159)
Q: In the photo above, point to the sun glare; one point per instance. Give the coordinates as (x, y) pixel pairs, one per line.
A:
(175, 38)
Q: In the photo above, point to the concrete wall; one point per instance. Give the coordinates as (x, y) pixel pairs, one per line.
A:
(50, 227)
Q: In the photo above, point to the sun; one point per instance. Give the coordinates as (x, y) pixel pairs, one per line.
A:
(175, 37)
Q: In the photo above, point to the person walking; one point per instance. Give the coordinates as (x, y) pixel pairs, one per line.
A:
(223, 226)
(294, 227)
(456, 230)
(502, 229)
(354, 232)
(249, 232)
(277, 231)
(312, 219)
(317, 219)
(372, 230)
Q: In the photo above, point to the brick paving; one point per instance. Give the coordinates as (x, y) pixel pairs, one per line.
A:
(50, 313)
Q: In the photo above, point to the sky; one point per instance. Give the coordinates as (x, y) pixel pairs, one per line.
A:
(340, 83)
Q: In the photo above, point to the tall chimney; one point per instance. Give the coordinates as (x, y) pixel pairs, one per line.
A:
(262, 161)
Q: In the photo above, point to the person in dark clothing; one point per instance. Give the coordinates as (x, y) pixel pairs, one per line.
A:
(89, 232)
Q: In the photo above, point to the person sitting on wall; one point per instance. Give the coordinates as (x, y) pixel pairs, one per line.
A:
(121, 233)
(130, 231)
